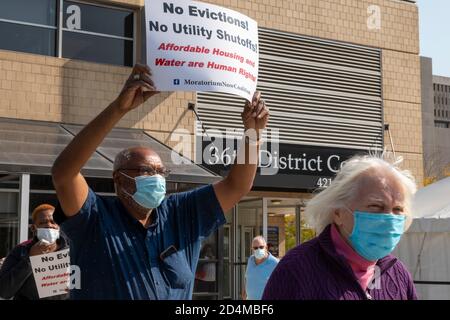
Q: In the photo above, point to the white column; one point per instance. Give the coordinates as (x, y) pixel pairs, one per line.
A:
(60, 27)
(265, 215)
(24, 204)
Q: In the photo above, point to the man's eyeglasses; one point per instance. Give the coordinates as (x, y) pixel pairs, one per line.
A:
(260, 247)
(148, 171)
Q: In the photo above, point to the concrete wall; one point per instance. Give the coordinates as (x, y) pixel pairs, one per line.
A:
(428, 129)
(436, 141)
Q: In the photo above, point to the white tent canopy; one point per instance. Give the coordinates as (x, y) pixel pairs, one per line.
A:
(425, 248)
(431, 208)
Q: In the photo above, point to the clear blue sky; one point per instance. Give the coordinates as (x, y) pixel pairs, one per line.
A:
(434, 24)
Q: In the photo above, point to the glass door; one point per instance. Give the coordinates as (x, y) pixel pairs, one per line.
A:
(9, 222)
(227, 267)
(249, 224)
(208, 274)
(9, 213)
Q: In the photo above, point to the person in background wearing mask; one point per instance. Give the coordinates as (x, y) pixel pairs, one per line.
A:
(259, 268)
(140, 244)
(16, 276)
(361, 216)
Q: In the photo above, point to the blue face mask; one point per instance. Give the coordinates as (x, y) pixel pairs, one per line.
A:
(375, 235)
(150, 190)
(260, 253)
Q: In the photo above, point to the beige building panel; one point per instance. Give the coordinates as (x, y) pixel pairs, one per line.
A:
(414, 163)
(405, 120)
(75, 91)
(332, 19)
(345, 21)
(401, 76)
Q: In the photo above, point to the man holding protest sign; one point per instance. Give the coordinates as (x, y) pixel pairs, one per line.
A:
(141, 245)
(16, 274)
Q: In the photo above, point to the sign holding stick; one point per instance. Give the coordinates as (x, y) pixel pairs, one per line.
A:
(51, 272)
(194, 46)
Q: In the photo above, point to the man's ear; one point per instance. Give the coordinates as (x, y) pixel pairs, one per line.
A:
(115, 177)
(116, 180)
(33, 228)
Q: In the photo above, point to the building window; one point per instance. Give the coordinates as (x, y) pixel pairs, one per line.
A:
(441, 124)
(28, 26)
(89, 32)
(98, 34)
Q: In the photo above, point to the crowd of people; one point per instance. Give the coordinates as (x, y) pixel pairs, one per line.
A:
(143, 244)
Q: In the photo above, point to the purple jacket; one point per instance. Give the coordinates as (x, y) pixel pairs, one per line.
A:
(314, 271)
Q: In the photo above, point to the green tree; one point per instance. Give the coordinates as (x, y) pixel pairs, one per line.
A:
(289, 227)
(290, 232)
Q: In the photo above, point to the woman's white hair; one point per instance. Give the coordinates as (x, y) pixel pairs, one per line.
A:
(342, 190)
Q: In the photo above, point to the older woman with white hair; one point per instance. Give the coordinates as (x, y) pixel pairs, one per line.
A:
(361, 217)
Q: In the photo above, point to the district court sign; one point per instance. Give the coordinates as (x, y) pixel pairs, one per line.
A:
(194, 46)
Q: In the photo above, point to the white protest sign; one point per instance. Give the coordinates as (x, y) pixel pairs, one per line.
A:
(51, 272)
(194, 46)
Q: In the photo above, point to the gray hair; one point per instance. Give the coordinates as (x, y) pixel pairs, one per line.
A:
(261, 238)
(342, 190)
(126, 155)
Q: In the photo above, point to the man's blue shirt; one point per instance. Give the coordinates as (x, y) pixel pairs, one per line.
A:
(120, 259)
(256, 276)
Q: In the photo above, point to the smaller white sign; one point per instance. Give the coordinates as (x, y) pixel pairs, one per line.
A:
(51, 272)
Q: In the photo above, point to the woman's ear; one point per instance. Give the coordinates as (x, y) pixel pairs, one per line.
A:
(338, 217)
(33, 228)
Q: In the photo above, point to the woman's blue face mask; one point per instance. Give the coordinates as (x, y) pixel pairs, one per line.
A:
(150, 190)
(375, 235)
